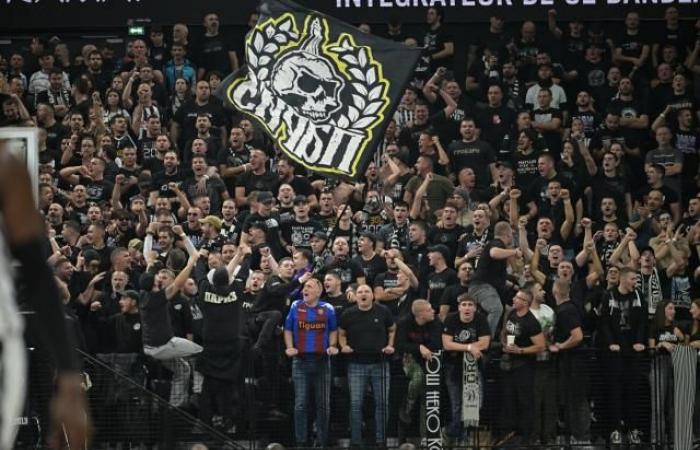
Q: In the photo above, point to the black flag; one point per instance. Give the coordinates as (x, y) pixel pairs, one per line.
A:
(322, 89)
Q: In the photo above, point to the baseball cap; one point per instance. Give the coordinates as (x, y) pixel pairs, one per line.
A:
(462, 193)
(90, 255)
(403, 156)
(320, 235)
(504, 164)
(213, 221)
(131, 294)
(136, 244)
(300, 199)
(265, 197)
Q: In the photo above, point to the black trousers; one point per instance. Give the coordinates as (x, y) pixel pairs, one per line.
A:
(628, 390)
(519, 399)
(217, 400)
(573, 379)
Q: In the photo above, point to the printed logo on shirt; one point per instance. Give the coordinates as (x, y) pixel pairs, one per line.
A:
(211, 297)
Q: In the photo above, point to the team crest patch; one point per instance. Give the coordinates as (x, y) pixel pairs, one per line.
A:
(322, 100)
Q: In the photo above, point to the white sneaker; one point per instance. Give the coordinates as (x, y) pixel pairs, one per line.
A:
(616, 437)
(635, 437)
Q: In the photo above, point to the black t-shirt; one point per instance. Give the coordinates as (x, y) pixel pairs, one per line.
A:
(348, 270)
(371, 268)
(180, 316)
(664, 334)
(434, 42)
(568, 318)
(388, 280)
(301, 186)
(367, 332)
(97, 190)
(162, 179)
(537, 190)
(630, 109)
(155, 318)
(688, 143)
(212, 54)
(615, 187)
(464, 333)
(495, 124)
(471, 240)
(298, 234)
(222, 325)
(447, 127)
(437, 283)
(525, 167)
(451, 294)
(54, 134)
(553, 138)
(448, 237)
(491, 271)
(631, 46)
(222, 314)
(670, 196)
(252, 182)
(186, 117)
(523, 328)
(477, 155)
(272, 237)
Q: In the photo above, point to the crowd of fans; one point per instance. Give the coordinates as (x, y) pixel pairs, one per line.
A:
(545, 205)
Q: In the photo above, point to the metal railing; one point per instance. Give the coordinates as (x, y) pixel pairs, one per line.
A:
(132, 406)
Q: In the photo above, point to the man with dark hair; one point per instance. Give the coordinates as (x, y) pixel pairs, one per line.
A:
(183, 125)
(522, 339)
(366, 337)
(496, 119)
(214, 52)
(670, 158)
(56, 95)
(286, 171)
(438, 45)
(465, 337)
(178, 67)
(395, 233)
(624, 331)
(488, 282)
(367, 258)
(219, 361)
(656, 174)
(473, 152)
(298, 231)
(548, 119)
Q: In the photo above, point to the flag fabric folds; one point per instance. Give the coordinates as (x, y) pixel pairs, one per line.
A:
(322, 89)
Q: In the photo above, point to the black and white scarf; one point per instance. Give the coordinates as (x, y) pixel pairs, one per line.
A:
(651, 290)
(471, 394)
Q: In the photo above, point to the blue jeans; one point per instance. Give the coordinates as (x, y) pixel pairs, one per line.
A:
(309, 374)
(378, 376)
(453, 379)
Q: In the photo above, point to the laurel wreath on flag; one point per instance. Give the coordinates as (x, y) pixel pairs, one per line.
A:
(261, 55)
(368, 90)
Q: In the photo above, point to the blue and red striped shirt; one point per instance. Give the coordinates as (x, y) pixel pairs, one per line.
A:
(311, 326)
